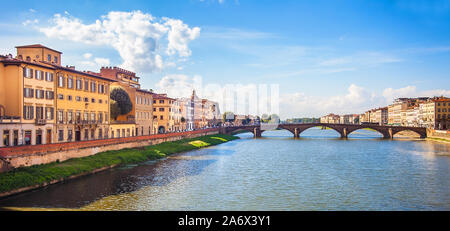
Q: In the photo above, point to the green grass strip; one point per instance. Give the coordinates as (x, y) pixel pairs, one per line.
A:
(45, 173)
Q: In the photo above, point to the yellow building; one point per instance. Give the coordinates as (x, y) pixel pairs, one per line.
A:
(162, 107)
(82, 100)
(144, 112)
(435, 113)
(27, 97)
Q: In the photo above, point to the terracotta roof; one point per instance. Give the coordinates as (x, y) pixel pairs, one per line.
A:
(145, 91)
(38, 46)
(161, 96)
(82, 73)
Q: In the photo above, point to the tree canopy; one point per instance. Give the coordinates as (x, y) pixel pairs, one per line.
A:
(120, 102)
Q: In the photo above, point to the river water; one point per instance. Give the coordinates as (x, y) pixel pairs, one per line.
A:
(318, 171)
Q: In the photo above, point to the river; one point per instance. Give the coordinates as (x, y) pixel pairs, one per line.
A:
(318, 171)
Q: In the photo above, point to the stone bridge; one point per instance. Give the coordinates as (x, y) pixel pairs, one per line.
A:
(344, 130)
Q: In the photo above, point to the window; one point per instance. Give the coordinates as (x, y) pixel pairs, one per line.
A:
(86, 85)
(49, 95)
(49, 113)
(56, 59)
(101, 88)
(39, 94)
(28, 112)
(70, 117)
(27, 72)
(78, 98)
(60, 116)
(49, 76)
(69, 97)
(78, 116)
(49, 58)
(161, 117)
(60, 96)
(155, 117)
(92, 134)
(161, 101)
(28, 93)
(69, 135)
(93, 116)
(93, 100)
(100, 117)
(86, 99)
(100, 101)
(93, 86)
(61, 81)
(60, 135)
(154, 109)
(161, 109)
(39, 75)
(27, 137)
(154, 101)
(70, 82)
(79, 84)
(100, 133)
(39, 113)
(6, 137)
(85, 116)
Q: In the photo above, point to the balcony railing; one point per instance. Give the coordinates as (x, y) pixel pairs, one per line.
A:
(9, 119)
(40, 122)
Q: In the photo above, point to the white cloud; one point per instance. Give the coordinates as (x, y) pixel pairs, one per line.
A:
(391, 94)
(178, 85)
(87, 55)
(140, 39)
(28, 22)
(102, 61)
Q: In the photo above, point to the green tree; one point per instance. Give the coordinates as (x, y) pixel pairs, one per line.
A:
(114, 109)
(120, 102)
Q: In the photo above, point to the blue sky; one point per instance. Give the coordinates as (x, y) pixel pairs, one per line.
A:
(326, 56)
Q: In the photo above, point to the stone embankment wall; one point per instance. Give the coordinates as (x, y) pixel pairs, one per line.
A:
(438, 133)
(23, 156)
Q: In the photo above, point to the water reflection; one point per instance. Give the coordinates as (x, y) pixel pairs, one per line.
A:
(318, 171)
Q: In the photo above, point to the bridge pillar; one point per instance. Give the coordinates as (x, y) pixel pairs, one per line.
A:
(256, 133)
(296, 133)
(389, 134)
(344, 133)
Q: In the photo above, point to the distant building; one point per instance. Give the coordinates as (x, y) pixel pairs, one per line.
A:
(435, 113)
(330, 119)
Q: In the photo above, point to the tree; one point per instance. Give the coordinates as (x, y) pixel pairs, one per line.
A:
(183, 120)
(120, 102)
(114, 109)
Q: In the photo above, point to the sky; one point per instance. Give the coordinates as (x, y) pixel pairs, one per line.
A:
(321, 56)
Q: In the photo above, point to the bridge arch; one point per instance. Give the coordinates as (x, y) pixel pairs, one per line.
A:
(299, 128)
(383, 133)
(422, 134)
(241, 130)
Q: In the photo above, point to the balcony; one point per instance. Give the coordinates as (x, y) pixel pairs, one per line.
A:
(9, 119)
(40, 122)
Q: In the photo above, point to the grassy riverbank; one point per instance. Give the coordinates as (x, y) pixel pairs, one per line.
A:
(44, 174)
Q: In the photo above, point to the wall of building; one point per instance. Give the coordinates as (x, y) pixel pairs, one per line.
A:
(15, 157)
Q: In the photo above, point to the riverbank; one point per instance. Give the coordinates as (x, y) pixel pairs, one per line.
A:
(29, 178)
